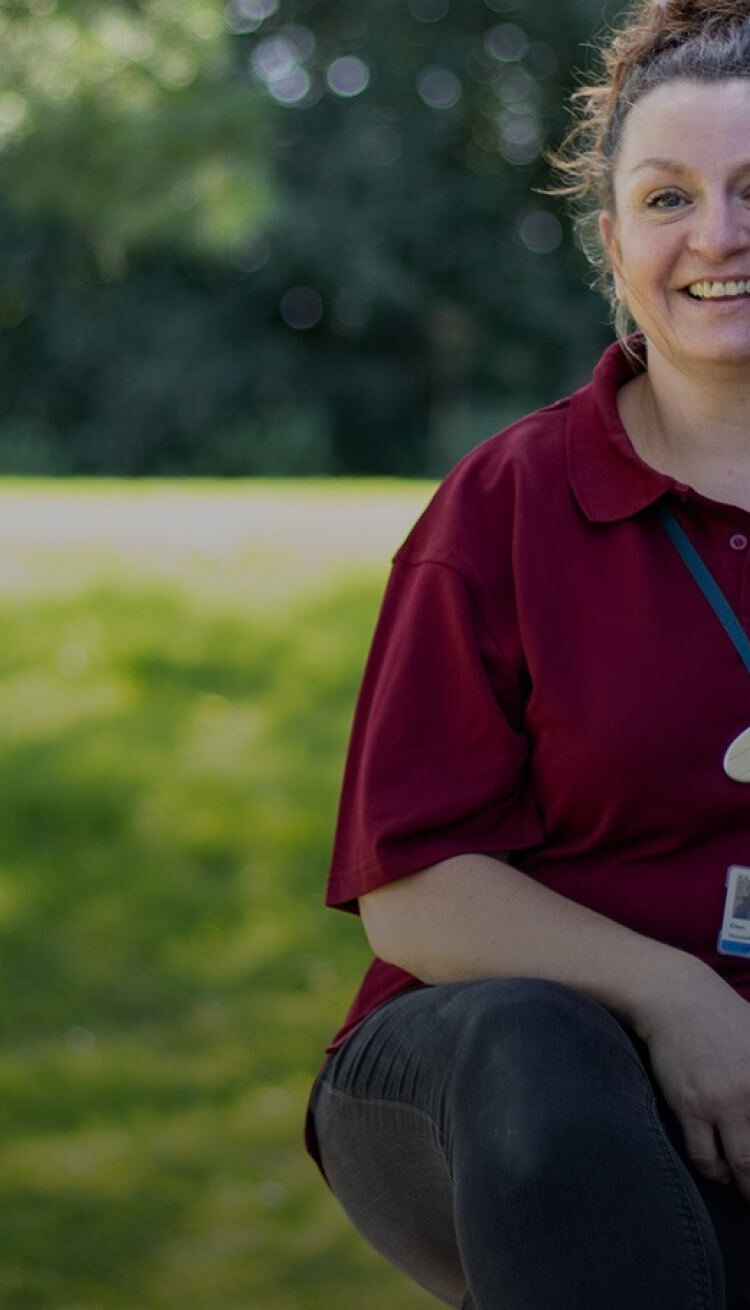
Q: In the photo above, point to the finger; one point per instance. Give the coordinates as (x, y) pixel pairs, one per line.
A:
(735, 1140)
(703, 1151)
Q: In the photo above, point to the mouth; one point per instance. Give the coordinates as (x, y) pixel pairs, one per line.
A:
(732, 289)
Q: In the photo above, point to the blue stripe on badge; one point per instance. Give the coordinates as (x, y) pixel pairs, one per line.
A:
(726, 947)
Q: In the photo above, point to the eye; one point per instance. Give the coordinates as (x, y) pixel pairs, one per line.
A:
(665, 200)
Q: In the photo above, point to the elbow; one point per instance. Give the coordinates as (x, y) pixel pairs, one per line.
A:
(395, 927)
(378, 923)
(386, 920)
(426, 922)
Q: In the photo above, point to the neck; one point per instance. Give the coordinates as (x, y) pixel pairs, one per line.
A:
(693, 428)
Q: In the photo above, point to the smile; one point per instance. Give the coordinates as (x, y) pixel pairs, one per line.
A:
(718, 290)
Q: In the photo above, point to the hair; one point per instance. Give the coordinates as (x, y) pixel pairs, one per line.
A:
(656, 41)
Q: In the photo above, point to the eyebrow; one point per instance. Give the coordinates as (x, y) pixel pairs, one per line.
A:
(674, 166)
(655, 162)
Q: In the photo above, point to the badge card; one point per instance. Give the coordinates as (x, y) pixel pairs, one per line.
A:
(734, 938)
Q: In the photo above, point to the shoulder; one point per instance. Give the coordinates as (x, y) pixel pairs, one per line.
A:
(476, 510)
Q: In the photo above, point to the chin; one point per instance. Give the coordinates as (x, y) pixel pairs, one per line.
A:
(721, 360)
(709, 352)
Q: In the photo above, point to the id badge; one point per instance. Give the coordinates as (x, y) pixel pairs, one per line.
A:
(734, 938)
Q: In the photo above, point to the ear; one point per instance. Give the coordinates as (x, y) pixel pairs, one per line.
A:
(608, 234)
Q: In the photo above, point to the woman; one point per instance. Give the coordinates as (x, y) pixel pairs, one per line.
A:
(546, 808)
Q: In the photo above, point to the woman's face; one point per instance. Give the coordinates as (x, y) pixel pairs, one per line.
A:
(679, 236)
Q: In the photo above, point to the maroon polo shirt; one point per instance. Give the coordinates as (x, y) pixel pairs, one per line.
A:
(547, 679)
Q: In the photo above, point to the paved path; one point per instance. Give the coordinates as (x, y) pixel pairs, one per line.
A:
(306, 529)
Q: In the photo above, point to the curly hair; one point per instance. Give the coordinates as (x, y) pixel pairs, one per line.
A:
(656, 41)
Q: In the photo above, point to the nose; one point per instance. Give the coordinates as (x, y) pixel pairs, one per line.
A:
(722, 228)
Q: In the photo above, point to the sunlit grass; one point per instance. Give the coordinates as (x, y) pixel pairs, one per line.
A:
(177, 676)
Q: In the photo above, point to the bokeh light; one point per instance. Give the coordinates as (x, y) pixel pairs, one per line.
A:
(274, 58)
(507, 42)
(429, 11)
(520, 137)
(276, 62)
(292, 88)
(302, 40)
(348, 76)
(352, 310)
(514, 85)
(248, 15)
(439, 88)
(540, 231)
(301, 308)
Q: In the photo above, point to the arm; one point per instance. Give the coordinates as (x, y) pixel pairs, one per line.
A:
(474, 917)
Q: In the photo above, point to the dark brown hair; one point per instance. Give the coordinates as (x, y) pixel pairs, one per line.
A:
(655, 41)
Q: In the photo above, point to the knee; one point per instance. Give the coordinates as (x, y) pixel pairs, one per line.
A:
(531, 1027)
(540, 1076)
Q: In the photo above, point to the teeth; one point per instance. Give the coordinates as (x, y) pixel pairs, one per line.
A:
(713, 290)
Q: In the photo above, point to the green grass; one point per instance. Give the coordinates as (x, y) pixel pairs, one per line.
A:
(177, 674)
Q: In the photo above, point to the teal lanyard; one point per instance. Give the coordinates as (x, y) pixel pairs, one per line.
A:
(708, 585)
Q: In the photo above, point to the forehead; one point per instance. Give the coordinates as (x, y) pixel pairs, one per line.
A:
(693, 123)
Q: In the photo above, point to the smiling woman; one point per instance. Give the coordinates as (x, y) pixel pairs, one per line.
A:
(678, 236)
(541, 1094)
(679, 223)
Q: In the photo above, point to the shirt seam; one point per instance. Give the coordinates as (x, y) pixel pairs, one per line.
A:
(459, 568)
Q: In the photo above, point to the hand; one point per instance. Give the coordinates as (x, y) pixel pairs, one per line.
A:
(699, 1043)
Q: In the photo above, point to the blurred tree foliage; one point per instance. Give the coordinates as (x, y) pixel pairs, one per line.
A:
(126, 121)
(283, 236)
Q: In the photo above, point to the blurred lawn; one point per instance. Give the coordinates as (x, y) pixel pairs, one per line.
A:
(179, 663)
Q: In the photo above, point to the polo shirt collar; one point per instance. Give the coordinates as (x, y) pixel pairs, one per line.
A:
(609, 480)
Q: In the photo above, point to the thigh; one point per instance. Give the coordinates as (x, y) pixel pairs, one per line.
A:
(386, 1166)
(454, 1083)
(382, 1148)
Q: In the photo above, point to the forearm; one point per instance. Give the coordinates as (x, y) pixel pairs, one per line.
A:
(476, 917)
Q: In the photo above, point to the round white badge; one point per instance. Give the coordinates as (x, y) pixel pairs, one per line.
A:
(737, 758)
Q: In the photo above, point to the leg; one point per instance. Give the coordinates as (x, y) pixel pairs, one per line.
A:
(385, 1158)
(731, 1220)
(502, 1136)
(730, 1216)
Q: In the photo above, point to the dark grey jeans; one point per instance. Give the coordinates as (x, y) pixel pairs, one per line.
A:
(503, 1143)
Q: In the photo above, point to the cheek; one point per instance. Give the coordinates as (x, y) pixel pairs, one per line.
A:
(643, 270)
(622, 272)
(619, 263)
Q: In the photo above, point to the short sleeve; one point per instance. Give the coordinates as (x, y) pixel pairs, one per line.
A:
(437, 762)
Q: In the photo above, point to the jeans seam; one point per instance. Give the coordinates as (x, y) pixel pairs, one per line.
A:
(400, 1104)
(686, 1210)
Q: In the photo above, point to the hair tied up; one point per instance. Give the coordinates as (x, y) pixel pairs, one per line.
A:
(699, 12)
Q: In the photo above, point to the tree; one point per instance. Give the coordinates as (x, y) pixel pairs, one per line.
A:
(125, 120)
(409, 144)
(314, 243)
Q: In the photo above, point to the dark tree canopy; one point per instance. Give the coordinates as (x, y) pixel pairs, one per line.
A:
(283, 236)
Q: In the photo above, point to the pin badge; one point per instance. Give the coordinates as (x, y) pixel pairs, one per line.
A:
(737, 758)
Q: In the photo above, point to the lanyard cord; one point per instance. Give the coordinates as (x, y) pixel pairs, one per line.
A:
(708, 585)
